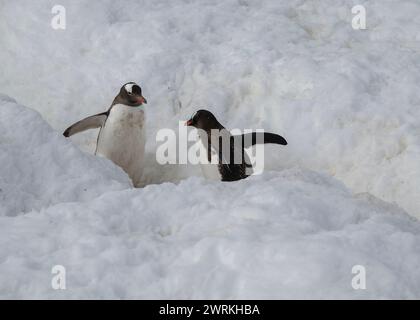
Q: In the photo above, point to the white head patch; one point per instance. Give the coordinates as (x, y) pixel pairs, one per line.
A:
(129, 87)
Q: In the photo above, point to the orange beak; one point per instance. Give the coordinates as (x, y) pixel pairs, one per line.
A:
(188, 123)
(142, 100)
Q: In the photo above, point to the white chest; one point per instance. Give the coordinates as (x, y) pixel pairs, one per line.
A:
(124, 119)
(122, 139)
(210, 170)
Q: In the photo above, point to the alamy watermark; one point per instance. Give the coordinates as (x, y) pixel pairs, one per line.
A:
(358, 282)
(359, 20)
(58, 21)
(58, 281)
(214, 147)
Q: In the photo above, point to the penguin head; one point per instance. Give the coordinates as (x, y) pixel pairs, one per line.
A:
(130, 95)
(205, 120)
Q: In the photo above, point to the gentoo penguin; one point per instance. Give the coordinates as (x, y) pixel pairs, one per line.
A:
(122, 135)
(222, 150)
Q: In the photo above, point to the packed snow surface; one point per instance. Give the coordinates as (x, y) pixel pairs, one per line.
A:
(344, 192)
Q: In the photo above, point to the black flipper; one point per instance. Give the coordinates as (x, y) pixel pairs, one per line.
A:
(91, 122)
(250, 139)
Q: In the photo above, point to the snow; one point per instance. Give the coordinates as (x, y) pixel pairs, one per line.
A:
(39, 168)
(344, 192)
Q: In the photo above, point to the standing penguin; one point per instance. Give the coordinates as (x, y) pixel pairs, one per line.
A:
(122, 135)
(223, 149)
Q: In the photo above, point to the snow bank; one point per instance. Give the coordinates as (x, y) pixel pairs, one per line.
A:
(346, 100)
(38, 167)
(289, 234)
(294, 234)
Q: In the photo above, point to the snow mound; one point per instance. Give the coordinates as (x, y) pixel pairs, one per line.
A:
(38, 167)
(346, 100)
(290, 234)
